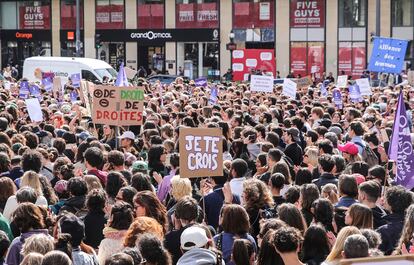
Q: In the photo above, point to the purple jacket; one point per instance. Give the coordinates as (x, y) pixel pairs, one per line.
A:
(165, 186)
(14, 257)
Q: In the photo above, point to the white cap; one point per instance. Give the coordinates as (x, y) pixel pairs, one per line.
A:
(193, 237)
(127, 135)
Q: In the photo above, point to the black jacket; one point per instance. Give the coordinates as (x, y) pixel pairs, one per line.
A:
(95, 222)
(324, 179)
(294, 152)
(391, 232)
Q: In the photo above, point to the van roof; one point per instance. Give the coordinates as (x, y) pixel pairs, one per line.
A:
(94, 63)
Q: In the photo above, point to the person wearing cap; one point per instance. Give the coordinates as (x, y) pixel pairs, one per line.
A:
(293, 150)
(195, 246)
(350, 153)
(127, 142)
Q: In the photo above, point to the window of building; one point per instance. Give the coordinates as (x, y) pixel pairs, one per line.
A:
(68, 14)
(25, 15)
(110, 14)
(151, 14)
(402, 13)
(197, 14)
(253, 14)
(351, 58)
(307, 58)
(352, 13)
(197, 59)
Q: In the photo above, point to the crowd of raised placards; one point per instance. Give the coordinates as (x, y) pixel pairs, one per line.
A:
(300, 174)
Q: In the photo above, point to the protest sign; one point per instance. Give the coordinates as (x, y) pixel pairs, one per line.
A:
(34, 109)
(57, 87)
(201, 152)
(261, 83)
(213, 96)
(381, 260)
(85, 96)
(324, 91)
(410, 77)
(354, 93)
(7, 85)
(364, 86)
(342, 81)
(122, 106)
(304, 82)
(387, 55)
(75, 78)
(130, 73)
(24, 90)
(48, 84)
(201, 81)
(289, 88)
(73, 96)
(337, 98)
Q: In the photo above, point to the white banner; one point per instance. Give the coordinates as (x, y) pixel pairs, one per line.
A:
(261, 83)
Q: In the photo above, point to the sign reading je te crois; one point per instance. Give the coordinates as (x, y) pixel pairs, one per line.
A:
(119, 106)
(387, 55)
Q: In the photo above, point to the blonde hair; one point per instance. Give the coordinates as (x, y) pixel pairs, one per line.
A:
(38, 243)
(92, 182)
(32, 259)
(338, 247)
(32, 179)
(312, 153)
(331, 192)
(180, 187)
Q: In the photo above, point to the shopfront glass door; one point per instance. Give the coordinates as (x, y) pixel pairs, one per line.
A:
(152, 58)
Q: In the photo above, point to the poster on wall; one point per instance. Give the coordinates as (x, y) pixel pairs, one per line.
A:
(109, 16)
(307, 58)
(34, 17)
(359, 62)
(204, 15)
(316, 59)
(298, 58)
(352, 58)
(246, 60)
(307, 13)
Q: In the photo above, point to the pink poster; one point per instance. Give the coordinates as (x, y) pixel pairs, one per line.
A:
(197, 15)
(316, 59)
(110, 17)
(298, 58)
(246, 60)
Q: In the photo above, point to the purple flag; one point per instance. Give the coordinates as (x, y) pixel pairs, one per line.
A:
(401, 148)
(355, 93)
(201, 81)
(337, 98)
(121, 78)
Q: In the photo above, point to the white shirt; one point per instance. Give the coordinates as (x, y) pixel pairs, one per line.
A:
(11, 205)
(236, 186)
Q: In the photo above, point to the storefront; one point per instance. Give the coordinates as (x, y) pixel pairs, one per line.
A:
(25, 30)
(68, 26)
(196, 54)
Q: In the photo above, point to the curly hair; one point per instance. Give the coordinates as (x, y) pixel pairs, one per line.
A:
(28, 216)
(256, 195)
(153, 207)
(140, 226)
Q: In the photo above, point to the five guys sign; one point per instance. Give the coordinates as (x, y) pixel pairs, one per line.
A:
(307, 13)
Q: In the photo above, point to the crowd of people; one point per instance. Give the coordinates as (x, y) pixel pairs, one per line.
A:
(304, 182)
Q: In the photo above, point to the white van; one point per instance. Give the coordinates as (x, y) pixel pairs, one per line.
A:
(90, 69)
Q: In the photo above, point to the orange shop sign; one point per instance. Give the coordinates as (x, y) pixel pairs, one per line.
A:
(20, 35)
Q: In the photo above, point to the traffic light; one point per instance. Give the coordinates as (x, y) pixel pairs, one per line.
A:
(98, 41)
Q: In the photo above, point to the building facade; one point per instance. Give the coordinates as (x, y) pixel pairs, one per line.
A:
(308, 36)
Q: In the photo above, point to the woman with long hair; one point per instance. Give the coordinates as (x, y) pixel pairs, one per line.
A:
(336, 252)
(140, 226)
(157, 156)
(243, 252)
(267, 253)
(292, 216)
(7, 189)
(121, 217)
(147, 204)
(405, 242)
(114, 182)
(234, 221)
(323, 212)
(315, 246)
(360, 216)
(257, 198)
(109, 136)
(308, 194)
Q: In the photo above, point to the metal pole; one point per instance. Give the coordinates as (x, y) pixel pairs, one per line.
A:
(378, 18)
(77, 29)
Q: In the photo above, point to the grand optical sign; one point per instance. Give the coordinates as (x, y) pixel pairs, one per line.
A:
(150, 35)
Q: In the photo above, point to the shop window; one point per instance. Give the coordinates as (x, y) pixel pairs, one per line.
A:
(352, 13)
(307, 58)
(68, 14)
(197, 14)
(151, 14)
(110, 14)
(25, 14)
(253, 14)
(198, 59)
(351, 58)
(402, 13)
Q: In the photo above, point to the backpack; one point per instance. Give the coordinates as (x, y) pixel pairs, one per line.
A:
(368, 155)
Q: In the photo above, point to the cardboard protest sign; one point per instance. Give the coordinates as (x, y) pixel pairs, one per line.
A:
(384, 260)
(119, 106)
(261, 83)
(57, 87)
(75, 78)
(85, 96)
(304, 82)
(201, 152)
(34, 109)
(289, 88)
(364, 86)
(342, 81)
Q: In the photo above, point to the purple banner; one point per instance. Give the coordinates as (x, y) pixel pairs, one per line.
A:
(24, 92)
(75, 78)
(337, 98)
(47, 83)
(355, 93)
(401, 148)
(201, 81)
